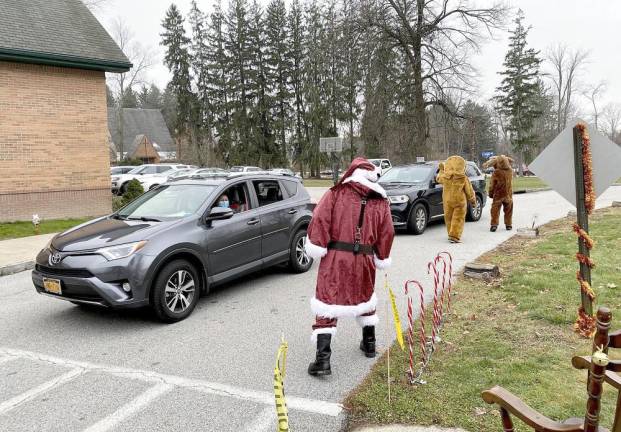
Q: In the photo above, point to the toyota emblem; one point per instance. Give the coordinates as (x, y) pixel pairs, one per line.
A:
(55, 258)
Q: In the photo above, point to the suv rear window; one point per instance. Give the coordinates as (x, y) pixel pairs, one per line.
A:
(291, 186)
(268, 191)
(472, 171)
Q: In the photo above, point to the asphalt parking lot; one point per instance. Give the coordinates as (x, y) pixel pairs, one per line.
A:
(65, 368)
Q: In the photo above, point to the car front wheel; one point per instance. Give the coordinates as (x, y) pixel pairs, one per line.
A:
(474, 213)
(299, 261)
(176, 291)
(418, 220)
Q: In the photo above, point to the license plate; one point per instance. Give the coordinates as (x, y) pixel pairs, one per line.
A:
(52, 286)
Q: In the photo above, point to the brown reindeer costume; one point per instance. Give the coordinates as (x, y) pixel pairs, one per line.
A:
(501, 190)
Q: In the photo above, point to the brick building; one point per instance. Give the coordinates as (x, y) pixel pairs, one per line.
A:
(54, 153)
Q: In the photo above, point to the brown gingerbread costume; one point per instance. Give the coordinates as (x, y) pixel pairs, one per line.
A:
(501, 190)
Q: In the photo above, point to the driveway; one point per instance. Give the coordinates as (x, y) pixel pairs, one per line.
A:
(64, 368)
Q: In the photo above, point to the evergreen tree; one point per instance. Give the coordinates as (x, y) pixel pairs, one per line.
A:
(150, 97)
(177, 59)
(279, 71)
(219, 83)
(296, 55)
(517, 94)
(238, 51)
(263, 143)
(351, 79)
(130, 99)
(202, 118)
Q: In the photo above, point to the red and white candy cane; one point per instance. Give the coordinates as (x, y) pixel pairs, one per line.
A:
(450, 277)
(421, 317)
(411, 328)
(436, 315)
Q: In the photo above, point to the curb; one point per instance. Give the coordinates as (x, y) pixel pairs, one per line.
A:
(524, 191)
(16, 268)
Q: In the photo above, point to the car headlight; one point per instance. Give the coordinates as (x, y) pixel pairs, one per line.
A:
(121, 251)
(115, 178)
(399, 199)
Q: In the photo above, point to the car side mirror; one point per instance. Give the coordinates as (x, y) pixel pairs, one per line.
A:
(219, 213)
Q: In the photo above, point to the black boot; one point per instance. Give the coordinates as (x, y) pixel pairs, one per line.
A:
(321, 365)
(367, 344)
(493, 228)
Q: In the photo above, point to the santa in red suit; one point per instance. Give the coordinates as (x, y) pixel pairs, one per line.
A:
(352, 233)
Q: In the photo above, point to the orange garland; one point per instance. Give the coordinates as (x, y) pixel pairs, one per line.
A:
(587, 164)
(588, 241)
(585, 286)
(585, 260)
(585, 324)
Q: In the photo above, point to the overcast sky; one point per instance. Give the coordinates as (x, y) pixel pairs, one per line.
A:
(592, 25)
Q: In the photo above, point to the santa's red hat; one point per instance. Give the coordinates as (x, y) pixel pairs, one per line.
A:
(359, 162)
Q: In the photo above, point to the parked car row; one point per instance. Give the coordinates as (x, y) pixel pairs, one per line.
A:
(153, 175)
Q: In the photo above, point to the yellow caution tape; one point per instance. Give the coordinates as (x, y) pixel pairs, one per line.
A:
(279, 389)
(395, 314)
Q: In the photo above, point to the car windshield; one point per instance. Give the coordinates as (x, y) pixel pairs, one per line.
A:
(167, 202)
(137, 170)
(117, 170)
(407, 174)
(375, 162)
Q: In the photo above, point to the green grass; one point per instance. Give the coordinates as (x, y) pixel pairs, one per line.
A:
(523, 183)
(24, 229)
(516, 332)
(318, 183)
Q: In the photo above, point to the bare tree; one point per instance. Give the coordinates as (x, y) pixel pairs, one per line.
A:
(567, 64)
(437, 38)
(94, 4)
(611, 119)
(593, 93)
(121, 83)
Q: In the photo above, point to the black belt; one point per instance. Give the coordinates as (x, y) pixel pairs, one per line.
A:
(351, 247)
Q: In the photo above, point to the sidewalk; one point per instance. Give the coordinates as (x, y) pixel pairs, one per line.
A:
(18, 254)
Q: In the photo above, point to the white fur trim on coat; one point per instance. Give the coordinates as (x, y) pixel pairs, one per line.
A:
(325, 330)
(370, 320)
(382, 264)
(325, 310)
(314, 251)
(359, 176)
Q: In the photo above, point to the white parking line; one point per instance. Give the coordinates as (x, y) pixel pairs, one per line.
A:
(266, 398)
(130, 408)
(36, 391)
(265, 421)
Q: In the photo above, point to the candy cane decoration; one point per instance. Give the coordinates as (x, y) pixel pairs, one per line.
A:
(450, 277)
(436, 318)
(423, 336)
(410, 330)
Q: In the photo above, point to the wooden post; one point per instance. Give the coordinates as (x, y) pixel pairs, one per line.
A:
(582, 216)
(597, 372)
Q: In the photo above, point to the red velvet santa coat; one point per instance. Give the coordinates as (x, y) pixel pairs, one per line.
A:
(345, 283)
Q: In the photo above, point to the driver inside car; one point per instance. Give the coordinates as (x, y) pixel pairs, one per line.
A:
(223, 201)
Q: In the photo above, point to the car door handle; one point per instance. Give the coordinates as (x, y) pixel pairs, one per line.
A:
(292, 211)
(253, 221)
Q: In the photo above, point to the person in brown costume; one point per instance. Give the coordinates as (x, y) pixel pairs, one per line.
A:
(501, 190)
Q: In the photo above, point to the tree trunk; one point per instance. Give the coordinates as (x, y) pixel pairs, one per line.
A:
(420, 135)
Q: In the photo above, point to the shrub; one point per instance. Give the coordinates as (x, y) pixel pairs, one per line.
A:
(117, 203)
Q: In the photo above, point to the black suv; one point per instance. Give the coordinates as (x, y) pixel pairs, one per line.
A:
(416, 198)
(174, 242)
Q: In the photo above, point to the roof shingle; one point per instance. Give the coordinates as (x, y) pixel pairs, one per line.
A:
(62, 32)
